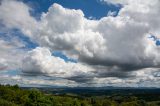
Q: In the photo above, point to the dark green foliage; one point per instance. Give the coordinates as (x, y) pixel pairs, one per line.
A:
(15, 96)
(6, 103)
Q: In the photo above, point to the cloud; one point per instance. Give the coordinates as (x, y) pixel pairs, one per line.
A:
(7, 77)
(15, 14)
(109, 42)
(111, 50)
(11, 57)
(68, 30)
(144, 78)
(104, 42)
(41, 61)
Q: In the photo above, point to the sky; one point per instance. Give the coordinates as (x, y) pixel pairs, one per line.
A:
(80, 43)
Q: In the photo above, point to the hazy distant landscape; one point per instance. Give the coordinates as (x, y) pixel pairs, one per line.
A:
(15, 96)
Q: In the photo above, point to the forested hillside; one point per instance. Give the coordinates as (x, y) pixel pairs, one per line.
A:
(15, 96)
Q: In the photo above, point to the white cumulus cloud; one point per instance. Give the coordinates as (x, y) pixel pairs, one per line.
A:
(41, 61)
(14, 14)
(113, 47)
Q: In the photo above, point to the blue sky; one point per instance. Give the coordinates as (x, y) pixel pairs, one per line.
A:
(91, 8)
(79, 43)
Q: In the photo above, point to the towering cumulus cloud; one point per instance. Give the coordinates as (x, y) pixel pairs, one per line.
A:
(68, 30)
(104, 42)
(111, 50)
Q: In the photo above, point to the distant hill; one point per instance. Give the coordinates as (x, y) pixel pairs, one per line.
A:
(50, 96)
